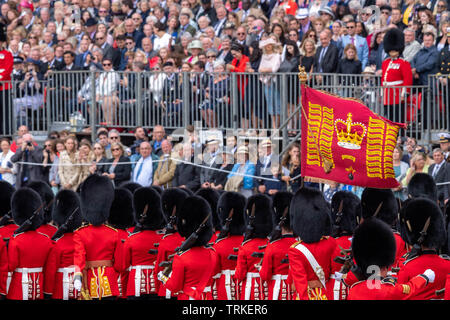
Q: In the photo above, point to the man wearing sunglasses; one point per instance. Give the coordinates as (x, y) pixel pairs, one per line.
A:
(362, 48)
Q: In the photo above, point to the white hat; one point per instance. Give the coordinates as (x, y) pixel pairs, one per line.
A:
(266, 42)
(302, 13)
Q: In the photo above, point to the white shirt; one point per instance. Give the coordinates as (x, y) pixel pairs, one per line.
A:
(145, 177)
(163, 42)
(4, 159)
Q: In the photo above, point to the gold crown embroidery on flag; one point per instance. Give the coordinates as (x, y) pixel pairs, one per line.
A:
(350, 134)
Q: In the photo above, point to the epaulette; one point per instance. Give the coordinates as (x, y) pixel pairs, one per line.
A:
(107, 225)
(183, 252)
(211, 248)
(133, 233)
(17, 234)
(275, 240)
(408, 259)
(324, 237)
(444, 256)
(83, 225)
(246, 241)
(296, 243)
(389, 280)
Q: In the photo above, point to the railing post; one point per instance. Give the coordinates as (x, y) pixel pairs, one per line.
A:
(235, 100)
(139, 102)
(186, 99)
(93, 116)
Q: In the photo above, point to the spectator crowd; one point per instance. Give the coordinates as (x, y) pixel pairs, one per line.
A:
(204, 36)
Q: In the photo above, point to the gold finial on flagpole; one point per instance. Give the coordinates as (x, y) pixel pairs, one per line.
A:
(302, 75)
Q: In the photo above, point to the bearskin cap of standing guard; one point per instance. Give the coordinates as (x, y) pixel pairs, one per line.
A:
(6, 192)
(394, 40)
(310, 215)
(373, 244)
(97, 196)
(65, 204)
(121, 215)
(25, 203)
(422, 185)
(350, 216)
(172, 198)
(212, 196)
(193, 212)
(236, 201)
(262, 223)
(147, 208)
(415, 215)
(47, 195)
(381, 202)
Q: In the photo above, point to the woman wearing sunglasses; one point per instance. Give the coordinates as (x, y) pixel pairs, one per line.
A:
(118, 168)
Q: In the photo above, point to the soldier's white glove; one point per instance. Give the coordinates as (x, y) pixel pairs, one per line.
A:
(77, 283)
(338, 276)
(430, 275)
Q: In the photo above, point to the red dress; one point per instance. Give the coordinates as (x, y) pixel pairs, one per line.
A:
(225, 285)
(142, 278)
(417, 265)
(192, 271)
(59, 271)
(275, 268)
(98, 252)
(167, 246)
(27, 256)
(251, 287)
(395, 73)
(242, 80)
(307, 283)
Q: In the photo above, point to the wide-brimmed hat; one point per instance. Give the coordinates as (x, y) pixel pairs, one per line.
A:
(242, 149)
(195, 44)
(327, 10)
(302, 13)
(267, 41)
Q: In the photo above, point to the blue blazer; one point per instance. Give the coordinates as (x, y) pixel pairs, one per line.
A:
(249, 168)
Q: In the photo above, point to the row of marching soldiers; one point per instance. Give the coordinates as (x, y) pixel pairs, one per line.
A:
(133, 242)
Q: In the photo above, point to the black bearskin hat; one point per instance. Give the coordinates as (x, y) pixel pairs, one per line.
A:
(371, 199)
(413, 217)
(130, 185)
(349, 218)
(157, 188)
(172, 198)
(280, 201)
(212, 196)
(6, 192)
(24, 203)
(66, 202)
(310, 215)
(47, 195)
(422, 185)
(262, 223)
(97, 196)
(154, 217)
(236, 201)
(191, 215)
(394, 40)
(373, 244)
(121, 215)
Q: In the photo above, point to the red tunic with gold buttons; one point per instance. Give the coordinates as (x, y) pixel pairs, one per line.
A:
(395, 73)
(142, 278)
(6, 233)
(59, 271)
(99, 245)
(123, 276)
(225, 285)
(247, 274)
(27, 256)
(386, 289)
(192, 271)
(275, 268)
(3, 267)
(167, 246)
(307, 283)
(417, 265)
(47, 229)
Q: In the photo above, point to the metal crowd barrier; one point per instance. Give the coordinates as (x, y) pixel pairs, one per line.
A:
(218, 100)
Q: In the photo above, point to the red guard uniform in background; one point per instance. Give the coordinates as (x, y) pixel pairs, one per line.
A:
(3, 267)
(6, 68)
(417, 265)
(247, 274)
(307, 284)
(122, 280)
(395, 73)
(192, 271)
(142, 278)
(60, 270)
(27, 256)
(98, 254)
(275, 268)
(167, 246)
(225, 284)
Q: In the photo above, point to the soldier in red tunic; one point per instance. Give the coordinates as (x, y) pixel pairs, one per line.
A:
(47, 196)
(230, 210)
(171, 200)
(212, 196)
(140, 249)
(311, 258)
(258, 215)
(121, 217)
(194, 264)
(423, 227)
(6, 68)
(60, 270)
(98, 249)
(373, 248)
(396, 75)
(275, 265)
(28, 250)
(7, 228)
(345, 216)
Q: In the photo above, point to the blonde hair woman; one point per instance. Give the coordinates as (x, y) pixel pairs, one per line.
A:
(85, 157)
(418, 164)
(68, 170)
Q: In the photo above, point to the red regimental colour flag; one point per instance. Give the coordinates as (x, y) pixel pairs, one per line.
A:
(344, 141)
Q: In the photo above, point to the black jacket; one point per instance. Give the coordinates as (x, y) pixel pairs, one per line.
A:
(187, 174)
(330, 60)
(122, 171)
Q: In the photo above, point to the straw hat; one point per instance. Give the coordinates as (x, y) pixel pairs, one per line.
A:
(266, 42)
(195, 44)
(242, 149)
